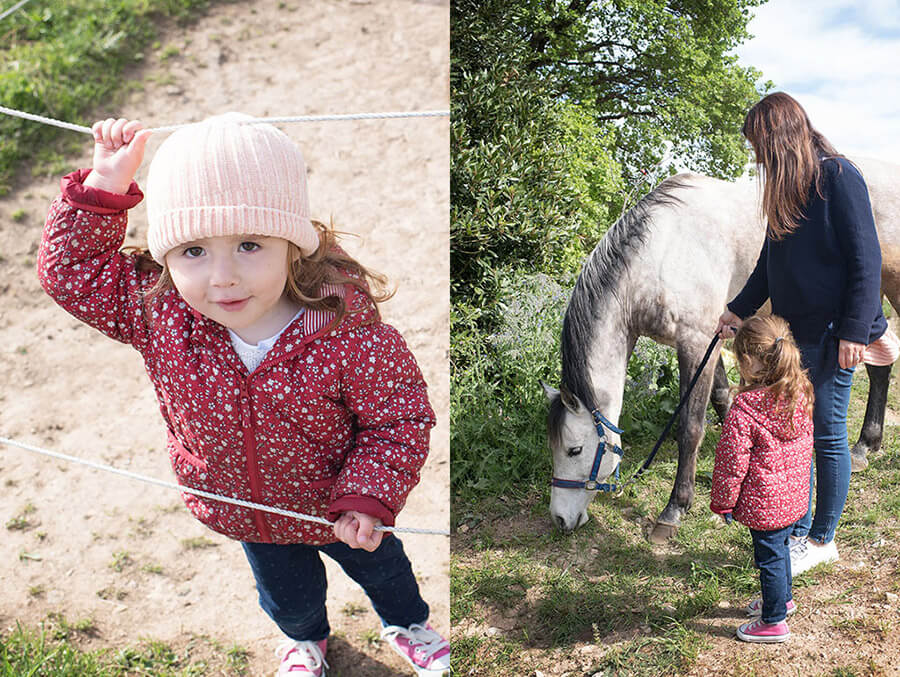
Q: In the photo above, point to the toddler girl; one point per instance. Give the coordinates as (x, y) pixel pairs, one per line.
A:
(761, 472)
(276, 378)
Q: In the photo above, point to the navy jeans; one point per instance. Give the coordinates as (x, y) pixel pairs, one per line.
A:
(831, 478)
(772, 554)
(291, 584)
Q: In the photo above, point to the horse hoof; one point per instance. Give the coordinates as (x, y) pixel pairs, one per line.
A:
(662, 533)
(858, 462)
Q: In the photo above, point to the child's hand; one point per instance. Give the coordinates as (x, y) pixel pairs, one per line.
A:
(357, 530)
(118, 152)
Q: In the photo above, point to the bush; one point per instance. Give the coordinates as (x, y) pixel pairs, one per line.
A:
(497, 406)
(533, 182)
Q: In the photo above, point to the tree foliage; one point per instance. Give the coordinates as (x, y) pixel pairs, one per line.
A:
(662, 69)
(641, 75)
(562, 115)
(529, 168)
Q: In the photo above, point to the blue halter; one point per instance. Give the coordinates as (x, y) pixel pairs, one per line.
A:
(591, 484)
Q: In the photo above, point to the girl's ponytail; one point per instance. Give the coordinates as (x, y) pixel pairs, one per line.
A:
(776, 365)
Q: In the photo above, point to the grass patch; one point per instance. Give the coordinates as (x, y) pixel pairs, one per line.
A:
(602, 600)
(59, 58)
(371, 638)
(120, 561)
(21, 522)
(52, 650)
(198, 543)
(238, 659)
(669, 650)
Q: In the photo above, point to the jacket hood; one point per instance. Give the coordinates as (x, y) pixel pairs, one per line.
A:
(360, 310)
(773, 415)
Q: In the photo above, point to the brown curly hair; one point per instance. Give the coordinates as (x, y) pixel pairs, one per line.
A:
(777, 365)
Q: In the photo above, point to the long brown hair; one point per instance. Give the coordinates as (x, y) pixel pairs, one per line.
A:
(788, 151)
(777, 366)
(307, 276)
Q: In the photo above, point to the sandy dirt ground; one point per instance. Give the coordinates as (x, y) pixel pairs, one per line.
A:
(128, 555)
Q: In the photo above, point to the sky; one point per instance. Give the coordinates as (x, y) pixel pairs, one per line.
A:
(841, 61)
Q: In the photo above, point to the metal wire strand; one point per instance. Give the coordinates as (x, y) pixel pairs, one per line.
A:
(204, 494)
(252, 121)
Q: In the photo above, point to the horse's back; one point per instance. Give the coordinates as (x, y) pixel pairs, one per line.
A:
(883, 181)
(702, 246)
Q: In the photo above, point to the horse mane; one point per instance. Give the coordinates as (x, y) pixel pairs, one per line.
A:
(599, 277)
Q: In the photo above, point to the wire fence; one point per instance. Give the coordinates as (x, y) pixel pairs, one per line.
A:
(198, 492)
(341, 117)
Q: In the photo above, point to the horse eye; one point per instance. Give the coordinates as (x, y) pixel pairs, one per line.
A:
(573, 451)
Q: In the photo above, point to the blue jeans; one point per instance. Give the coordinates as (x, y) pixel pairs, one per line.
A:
(772, 554)
(291, 583)
(831, 478)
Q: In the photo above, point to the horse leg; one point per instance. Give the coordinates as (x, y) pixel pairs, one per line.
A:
(873, 424)
(690, 433)
(720, 390)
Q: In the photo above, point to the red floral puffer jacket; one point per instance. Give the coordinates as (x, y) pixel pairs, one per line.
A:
(332, 420)
(761, 471)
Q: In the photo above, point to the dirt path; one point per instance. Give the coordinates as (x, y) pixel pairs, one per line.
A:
(127, 555)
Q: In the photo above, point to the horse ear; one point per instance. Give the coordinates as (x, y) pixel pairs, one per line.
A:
(549, 391)
(569, 400)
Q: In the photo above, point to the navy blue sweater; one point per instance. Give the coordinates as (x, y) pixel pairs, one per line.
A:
(828, 271)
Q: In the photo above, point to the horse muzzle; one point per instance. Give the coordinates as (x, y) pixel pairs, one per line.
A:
(568, 524)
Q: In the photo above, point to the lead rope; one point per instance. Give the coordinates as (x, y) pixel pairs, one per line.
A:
(665, 432)
(204, 494)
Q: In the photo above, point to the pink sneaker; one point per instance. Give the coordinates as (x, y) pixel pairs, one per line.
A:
(423, 648)
(755, 607)
(757, 631)
(302, 659)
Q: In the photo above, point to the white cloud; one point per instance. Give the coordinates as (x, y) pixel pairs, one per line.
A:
(840, 60)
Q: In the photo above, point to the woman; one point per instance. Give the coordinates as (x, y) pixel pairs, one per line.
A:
(821, 267)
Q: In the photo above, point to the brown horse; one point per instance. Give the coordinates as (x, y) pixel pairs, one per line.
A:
(665, 270)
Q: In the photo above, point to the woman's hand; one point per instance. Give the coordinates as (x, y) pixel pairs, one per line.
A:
(850, 354)
(729, 323)
(357, 530)
(118, 152)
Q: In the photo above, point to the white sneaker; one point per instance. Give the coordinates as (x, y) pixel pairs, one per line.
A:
(804, 557)
(796, 542)
(302, 659)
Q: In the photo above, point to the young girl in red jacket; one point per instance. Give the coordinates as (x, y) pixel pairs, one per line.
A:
(761, 471)
(276, 378)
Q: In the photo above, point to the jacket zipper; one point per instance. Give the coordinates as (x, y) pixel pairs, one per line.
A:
(252, 465)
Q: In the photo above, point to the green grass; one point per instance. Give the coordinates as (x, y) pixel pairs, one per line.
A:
(120, 561)
(198, 543)
(53, 650)
(59, 58)
(21, 522)
(640, 609)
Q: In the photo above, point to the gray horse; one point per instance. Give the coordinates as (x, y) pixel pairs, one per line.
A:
(666, 270)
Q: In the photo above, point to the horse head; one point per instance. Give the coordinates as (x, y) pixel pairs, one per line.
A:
(586, 452)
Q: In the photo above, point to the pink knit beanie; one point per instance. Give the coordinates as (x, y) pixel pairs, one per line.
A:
(221, 177)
